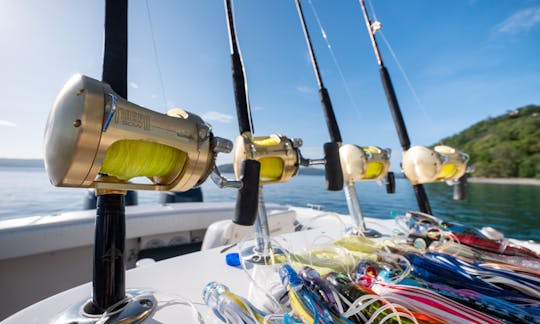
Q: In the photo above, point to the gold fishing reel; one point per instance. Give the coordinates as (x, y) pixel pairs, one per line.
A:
(278, 155)
(363, 163)
(92, 131)
(441, 163)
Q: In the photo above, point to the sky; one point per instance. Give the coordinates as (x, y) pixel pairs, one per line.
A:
(465, 59)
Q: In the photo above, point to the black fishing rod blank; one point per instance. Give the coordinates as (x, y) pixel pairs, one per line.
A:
(334, 175)
(420, 193)
(243, 111)
(354, 161)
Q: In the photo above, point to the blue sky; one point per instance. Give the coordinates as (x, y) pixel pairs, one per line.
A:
(466, 60)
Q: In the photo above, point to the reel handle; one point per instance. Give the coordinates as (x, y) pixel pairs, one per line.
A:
(332, 167)
(247, 200)
(390, 183)
(460, 188)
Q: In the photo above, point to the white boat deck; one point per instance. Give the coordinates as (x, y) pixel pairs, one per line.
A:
(187, 275)
(175, 280)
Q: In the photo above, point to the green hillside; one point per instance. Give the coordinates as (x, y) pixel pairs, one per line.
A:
(505, 146)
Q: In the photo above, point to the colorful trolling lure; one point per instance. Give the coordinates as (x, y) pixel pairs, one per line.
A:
(525, 284)
(373, 308)
(306, 304)
(423, 300)
(473, 254)
(417, 219)
(327, 293)
(455, 283)
(435, 270)
(496, 307)
(504, 247)
(229, 307)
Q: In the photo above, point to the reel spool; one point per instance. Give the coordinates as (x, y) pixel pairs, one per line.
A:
(363, 163)
(91, 130)
(278, 155)
(442, 163)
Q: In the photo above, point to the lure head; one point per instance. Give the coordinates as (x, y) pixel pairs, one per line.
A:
(308, 274)
(313, 280)
(366, 273)
(337, 279)
(212, 290)
(289, 277)
(211, 296)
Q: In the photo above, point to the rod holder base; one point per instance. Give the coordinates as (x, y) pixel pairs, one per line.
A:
(253, 256)
(368, 232)
(136, 308)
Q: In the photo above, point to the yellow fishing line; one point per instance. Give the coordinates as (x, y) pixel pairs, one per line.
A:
(126, 159)
(358, 243)
(373, 170)
(447, 171)
(266, 140)
(271, 168)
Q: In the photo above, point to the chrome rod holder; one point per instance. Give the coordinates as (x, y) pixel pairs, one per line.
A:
(135, 308)
(359, 227)
(261, 252)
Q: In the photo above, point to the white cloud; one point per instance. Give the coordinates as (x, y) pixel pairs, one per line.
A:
(305, 89)
(134, 85)
(7, 123)
(217, 116)
(521, 21)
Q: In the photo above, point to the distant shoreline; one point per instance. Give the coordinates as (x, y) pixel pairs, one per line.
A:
(512, 181)
(38, 163)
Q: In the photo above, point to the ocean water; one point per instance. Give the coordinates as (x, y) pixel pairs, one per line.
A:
(513, 209)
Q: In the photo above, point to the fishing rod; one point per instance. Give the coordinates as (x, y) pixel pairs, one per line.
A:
(279, 156)
(96, 138)
(109, 271)
(419, 190)
(355, 163)
(436, 158)
(248, 195)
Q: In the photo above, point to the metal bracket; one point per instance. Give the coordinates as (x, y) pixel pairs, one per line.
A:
(223, 182)
(110, 109)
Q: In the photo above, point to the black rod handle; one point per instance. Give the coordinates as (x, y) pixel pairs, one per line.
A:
(394, 109)
(332, 167)
(421, 199)
(390, 183)
(247, 200)
(109, 271)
